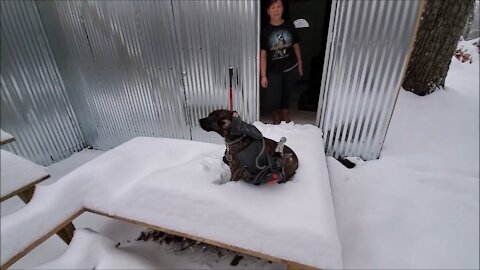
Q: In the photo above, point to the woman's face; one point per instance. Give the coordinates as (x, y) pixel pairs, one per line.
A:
(275, 10)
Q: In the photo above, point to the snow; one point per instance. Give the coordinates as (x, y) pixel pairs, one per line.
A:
(162, 256)
(18, 172)
(140, 255)
(4, 136)
(178, 178)
(418, 205)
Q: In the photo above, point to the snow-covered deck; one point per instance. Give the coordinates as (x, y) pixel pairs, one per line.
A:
(173, 184)
(5, 137)
(19, 174)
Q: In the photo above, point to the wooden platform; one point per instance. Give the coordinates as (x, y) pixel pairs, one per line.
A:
(19, 177)
(5, 137)
(19, 174)
(170, 185)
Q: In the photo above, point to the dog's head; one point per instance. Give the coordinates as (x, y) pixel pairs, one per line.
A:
(219, 121)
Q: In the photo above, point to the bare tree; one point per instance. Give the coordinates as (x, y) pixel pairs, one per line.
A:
(439, 31)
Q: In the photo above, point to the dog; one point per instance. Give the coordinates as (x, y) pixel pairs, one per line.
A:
(239, 139)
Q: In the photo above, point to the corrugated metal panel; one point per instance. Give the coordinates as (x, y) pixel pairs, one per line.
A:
(365, 59)
(121, 67)
(34, 107)
(213, 36)
(152, 68)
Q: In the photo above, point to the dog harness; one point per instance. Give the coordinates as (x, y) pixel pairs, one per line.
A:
(258, 166)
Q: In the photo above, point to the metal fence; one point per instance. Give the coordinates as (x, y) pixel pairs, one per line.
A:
(98, 73)
(34, 106)
(153, 68)
(367, 51)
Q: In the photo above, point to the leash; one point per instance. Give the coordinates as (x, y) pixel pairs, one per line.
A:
(227, 144)
(259, 155)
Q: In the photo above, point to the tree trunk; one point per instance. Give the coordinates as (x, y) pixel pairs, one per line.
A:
(440, 29)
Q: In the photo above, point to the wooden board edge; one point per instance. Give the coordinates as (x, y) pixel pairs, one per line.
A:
(7, 141)
(291, 264)
(22, 189)
(33, 245)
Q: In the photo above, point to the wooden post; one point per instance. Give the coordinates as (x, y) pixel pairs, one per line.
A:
(27, 194)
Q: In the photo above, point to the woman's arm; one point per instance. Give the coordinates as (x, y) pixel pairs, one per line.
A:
(263, 68)
(296, 48)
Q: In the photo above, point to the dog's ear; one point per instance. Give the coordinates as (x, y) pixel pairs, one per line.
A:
(225, 124)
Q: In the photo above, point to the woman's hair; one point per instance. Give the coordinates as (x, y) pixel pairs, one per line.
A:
(271, 2)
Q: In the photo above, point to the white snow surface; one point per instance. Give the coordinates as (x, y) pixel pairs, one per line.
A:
(5, 135)
(417, 207)
(109, 254)
(173, 184)
(18, 172)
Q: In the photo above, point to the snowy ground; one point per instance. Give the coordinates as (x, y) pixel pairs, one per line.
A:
(415, 207)
(418, 205)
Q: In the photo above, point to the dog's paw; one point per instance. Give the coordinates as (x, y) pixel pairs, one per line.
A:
(224, 176)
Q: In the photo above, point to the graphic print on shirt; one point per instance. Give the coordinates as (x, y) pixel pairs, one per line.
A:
(279, 42)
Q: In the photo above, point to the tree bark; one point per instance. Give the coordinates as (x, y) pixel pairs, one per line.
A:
(440, 29)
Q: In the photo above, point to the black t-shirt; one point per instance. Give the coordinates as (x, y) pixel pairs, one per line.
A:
(278, 42)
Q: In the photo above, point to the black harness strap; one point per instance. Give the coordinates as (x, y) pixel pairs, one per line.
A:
(258, 166)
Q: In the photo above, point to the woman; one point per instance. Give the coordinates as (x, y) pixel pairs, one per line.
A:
(280, 59)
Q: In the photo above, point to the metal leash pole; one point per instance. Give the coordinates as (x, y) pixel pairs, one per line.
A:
(230, 75)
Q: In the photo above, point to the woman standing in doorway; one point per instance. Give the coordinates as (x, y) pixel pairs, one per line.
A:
(280, 59)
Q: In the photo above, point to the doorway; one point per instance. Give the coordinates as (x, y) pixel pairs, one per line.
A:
(304, 98)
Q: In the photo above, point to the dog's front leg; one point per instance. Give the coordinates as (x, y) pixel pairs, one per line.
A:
(225, 158)
(225, 175)
(236, 170)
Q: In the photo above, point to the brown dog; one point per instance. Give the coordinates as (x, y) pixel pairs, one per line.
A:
(220, 121)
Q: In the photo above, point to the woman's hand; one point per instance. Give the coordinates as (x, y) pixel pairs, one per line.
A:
(264, 81)
(300, 71)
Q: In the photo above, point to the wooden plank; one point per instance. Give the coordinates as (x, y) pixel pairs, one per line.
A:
(23, 189)
(208, 241)
(296, 266)
(33, 245)
(9, 140)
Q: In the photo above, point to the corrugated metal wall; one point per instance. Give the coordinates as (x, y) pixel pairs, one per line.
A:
(34, 107)
(366, 55)
(120, 64)
(153, 68)
(213, 36)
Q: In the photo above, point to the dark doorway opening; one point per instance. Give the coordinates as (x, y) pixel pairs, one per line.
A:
(313, 41)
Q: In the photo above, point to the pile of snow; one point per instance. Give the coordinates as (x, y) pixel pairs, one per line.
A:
(418, 205)
(109, 254)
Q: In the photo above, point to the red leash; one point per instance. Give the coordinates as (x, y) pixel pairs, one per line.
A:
(230, 75)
